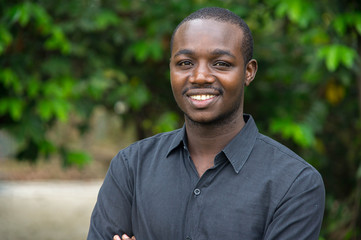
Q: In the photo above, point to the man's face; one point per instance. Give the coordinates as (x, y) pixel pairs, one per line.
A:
(207, 71)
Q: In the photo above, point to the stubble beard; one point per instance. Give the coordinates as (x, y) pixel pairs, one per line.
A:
(221, 120)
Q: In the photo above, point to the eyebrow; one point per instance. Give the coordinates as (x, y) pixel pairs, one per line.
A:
(185, 52)
(220, 52)
(216, 52)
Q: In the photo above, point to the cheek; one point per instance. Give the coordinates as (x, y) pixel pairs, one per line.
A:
(234, 83)
(174, 84)
(177, 81)
(176, 89)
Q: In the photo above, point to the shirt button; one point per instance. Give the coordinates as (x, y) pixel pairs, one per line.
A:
(197, 191)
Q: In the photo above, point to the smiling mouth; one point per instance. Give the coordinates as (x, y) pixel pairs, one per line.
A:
(202, 97)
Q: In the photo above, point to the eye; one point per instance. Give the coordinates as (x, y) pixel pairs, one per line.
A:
(222, 64)
(185, 63)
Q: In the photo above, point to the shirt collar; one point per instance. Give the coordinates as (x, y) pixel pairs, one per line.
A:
(178, 140)
(237, 151)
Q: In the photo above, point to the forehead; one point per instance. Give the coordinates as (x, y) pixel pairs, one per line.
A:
(207, 34)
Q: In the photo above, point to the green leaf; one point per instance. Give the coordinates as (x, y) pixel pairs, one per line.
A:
(13, 106)
(42, 18)
(46, 147)
(300, 133)
(16, 109)
(105, 19)
(61, 109)
(139, 97)
(304, 136)
(48, 108)
(301, 12)
(78, 158)
(348, 56)
(358, 27)
(10, 80)
(155, 50)
(33, 87)
(340, 25)
(143, 50)
(24, 13)
(348, 19)
(3, 106)
(281, 9)
(136, 94)
(58, 41)
(333, 58)
(5, 39)
(44, 109)
(52, 89)
(62, 87)
(336, 54)
(140, 50)
(357, 22)
(168, 121)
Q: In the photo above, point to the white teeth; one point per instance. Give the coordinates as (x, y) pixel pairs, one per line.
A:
(202, 97)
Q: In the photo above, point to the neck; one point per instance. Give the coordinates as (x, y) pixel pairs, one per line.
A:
(205, 141)
(210, 139)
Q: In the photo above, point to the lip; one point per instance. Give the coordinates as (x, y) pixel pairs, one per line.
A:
(202, 98)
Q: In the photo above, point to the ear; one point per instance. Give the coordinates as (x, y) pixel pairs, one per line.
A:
(251, 70)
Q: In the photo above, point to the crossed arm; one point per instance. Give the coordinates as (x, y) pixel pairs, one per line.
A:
(299, 214)
(124, 237)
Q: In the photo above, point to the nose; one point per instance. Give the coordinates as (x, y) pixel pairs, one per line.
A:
(201, 75)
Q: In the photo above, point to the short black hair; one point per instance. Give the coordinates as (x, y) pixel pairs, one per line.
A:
(223, 15)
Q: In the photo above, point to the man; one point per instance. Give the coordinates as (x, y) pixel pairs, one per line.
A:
(217, 177)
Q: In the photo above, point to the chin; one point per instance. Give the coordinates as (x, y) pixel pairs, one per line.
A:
(222, 119)
(208, 121)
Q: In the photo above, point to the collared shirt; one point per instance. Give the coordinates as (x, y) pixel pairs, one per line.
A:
(257, 189)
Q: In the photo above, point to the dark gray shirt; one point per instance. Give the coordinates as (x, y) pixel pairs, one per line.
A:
(257, 189)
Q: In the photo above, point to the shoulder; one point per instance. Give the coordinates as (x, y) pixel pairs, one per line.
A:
(280, 161)
(165, 139)
(272, 146)
(276, 150)
(159, 143)
(283, 171)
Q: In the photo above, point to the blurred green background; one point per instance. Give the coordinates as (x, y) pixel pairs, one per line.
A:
(61, 60)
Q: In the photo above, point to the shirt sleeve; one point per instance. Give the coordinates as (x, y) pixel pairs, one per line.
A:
(300, 212)
(112, 211)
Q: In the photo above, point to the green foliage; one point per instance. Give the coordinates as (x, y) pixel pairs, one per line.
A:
(300, 12)
(75, 157)
(63, 58)
(301, 134)
(347, 20)
(12, 106)
(5, 39)
(335, 55)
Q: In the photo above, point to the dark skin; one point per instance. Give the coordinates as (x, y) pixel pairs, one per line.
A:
(208, 75)
(207, 61)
